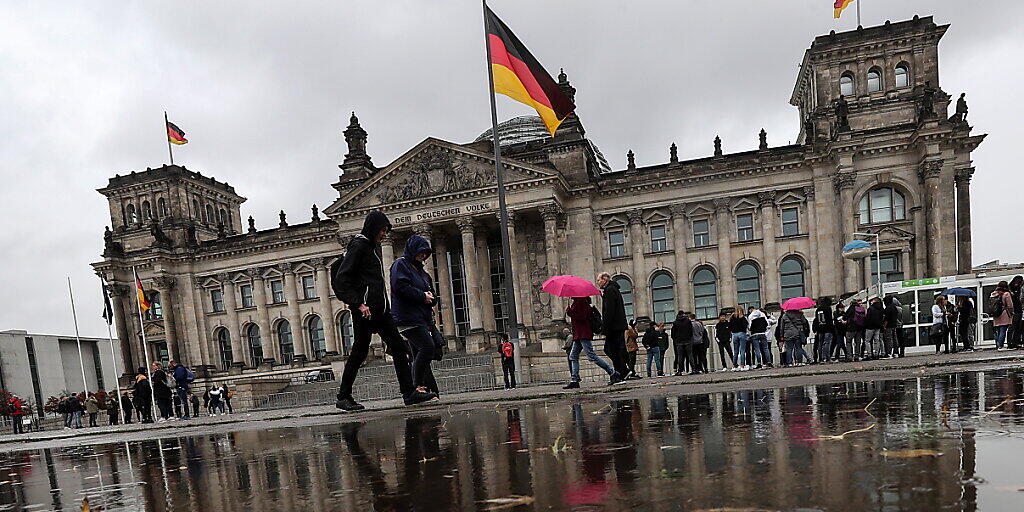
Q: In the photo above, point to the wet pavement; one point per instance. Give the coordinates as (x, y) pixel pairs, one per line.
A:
(945, 441)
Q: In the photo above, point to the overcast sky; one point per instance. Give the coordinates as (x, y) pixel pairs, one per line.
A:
(264, 89)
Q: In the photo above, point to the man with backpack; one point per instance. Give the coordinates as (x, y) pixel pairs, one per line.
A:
(613, 314)
(508, 361)
(1000, 308)
(793, 330)
(874, 320)
(758, 325)
(182, 378)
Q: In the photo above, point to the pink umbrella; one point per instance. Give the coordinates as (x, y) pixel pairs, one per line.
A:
(569, 286)
(798, 303)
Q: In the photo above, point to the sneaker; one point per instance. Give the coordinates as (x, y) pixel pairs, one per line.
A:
(572, 385)
(348, 404)
(614, 379)
(418, 397)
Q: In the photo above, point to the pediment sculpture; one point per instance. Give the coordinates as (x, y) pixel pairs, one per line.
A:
(436, 172)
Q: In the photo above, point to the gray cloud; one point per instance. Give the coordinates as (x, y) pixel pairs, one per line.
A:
(263, 91)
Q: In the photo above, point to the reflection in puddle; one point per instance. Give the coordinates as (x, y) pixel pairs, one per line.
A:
(931, 443)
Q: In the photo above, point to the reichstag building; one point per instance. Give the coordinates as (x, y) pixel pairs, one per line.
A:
(882, 149)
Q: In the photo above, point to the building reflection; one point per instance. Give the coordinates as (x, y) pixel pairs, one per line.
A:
(756, 448)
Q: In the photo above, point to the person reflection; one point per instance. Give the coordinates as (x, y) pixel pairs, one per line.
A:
(593, 488)
(370, 473)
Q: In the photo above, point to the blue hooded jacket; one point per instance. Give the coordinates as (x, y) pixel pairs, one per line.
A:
(409, 283)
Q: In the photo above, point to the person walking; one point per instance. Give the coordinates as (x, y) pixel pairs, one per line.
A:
(967, 321)
(182, 378)
(142, 397)
(824, 330)
(613, 313)
(890, 324)
(758, 327)
(873, 324)
(413, 299)
(1013, 336)
(937, 331)
(698, 352)
(652, 343)
(631, 349)
(163, 385)
(581, 314)
(16, 409)
(738, 327)
(1001, 310)
(75, 408)
(723, 337)
(507, 352)
(793, 330)
(839, 340)
(358, 281)
(126, 407)
(92, 408)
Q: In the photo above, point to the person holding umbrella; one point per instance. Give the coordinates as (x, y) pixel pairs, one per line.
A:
(584, 321)
(793, 328)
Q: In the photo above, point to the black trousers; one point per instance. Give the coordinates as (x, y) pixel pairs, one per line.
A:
(726, 348)
(1014, 335)
(702, 357)
(127, 416)
(165, 407)
(615, 349)
(682, 363)
(425, 342)
(383, 325)
(17, 424)
(508, 370)
(631, 361)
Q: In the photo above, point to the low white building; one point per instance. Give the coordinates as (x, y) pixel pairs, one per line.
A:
(37, 366)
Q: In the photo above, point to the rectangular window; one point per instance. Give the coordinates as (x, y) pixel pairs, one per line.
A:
(701, 233)
(460, 294)
(277, 291)
(890, 268)
(616, 244)
(217, 300)
(745, 227)
(308, 287)
(659, 239)
(246, 291)
(790, 221)
(499, 298)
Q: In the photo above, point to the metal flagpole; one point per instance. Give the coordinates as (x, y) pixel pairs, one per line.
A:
(169, 151)
(110, 336)
(512, 326)
(78, 339)
(145, 347)
(858, 12)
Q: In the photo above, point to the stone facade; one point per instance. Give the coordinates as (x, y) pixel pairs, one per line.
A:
(877, 154)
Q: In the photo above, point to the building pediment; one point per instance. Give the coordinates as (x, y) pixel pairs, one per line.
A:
(436, 168)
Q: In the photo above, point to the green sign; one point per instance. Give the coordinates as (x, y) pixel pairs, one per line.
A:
(920, 282)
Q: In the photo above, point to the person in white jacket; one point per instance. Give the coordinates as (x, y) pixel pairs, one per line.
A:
(758, 327)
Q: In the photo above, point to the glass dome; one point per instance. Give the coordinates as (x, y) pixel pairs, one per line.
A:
(517, 130)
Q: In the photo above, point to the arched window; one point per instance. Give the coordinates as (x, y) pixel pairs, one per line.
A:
(626, 287)
(791, 276)
(161, 207)
(252, 337)
(147, 212)
(902, 75)
(663, 297)
(157, 309)
(197, 212)
(705, 293)
(846, 84)
(284, 341)
(209, 217)
(223, 217)
(748, 285)
(316, 337)
(882, 205)
(129, 214)
(224, 345)
(874, 80)
(345, 333)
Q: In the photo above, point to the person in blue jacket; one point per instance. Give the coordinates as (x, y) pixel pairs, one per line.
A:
(413, 299)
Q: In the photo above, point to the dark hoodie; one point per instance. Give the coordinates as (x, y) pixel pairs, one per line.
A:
(409, 285)
(613, 309)
(682, 329)
(358, 278)
(875, 316)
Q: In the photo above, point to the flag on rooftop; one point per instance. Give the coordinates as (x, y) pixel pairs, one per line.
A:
(840, 5)
(175, 135)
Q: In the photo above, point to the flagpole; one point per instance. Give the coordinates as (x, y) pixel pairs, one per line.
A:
(512, 325)
(78, 339)
(110, 336)
(858, 13)
(169, 151)
(145, 346)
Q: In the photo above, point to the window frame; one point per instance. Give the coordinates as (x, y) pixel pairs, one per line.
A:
(897, 207)
(847, 79)
(705, 312)
(795, 222)
(668, 314)
(277, 295)
(628, 299)
(742, 301)
(286, 348)
(309, 290)
(659, 244)
(246, 298)
(878, 78)
(701, 238)
(903, 66)
(893, 275)
(740, 230)
(223, 337)
(318, 346)
(346, 334)
(217, 300)
(612, 246)
(255, 344)
(783, 273)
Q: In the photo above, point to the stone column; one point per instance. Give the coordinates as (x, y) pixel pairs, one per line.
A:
(551, 214)
(291, 294)
(164, 286)
(424, 231)
(387, 251)
(323, 291)
(517, 267)
(814, 262)
(963, 219)
(259, 296)
(637, 243)
(118, 293)
(444, 289)
(483, 262)
(723, 231)
(772, 290)
(844, 181)
(470, 270)
(920, 244)
(681, 257)
(929, 173)
(231, 307)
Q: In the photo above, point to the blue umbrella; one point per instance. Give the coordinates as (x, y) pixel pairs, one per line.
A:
(856, 244)
(959, 291)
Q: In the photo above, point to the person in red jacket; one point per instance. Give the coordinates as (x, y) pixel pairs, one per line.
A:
(17, 411)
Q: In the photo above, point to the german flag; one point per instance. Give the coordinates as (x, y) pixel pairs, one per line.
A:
(144, 303)
(175, 135)
(519, 76)
(839, 6)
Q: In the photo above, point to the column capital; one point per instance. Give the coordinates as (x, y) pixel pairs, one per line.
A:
(929, 169)
(224, 278)
(163, 282)
(466, 225)
(318, 263)
(550, 212)
(677, 210)
(844, 180)
(423, 230)
(596, 219)
(963, 175)
(285, 268)
(254, 273)
(117, 290)
(721, 204)
(635, 217)
(766, 198)
(808, 192)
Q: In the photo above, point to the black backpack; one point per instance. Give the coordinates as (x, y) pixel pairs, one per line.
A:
(996, 306)
(596, 323)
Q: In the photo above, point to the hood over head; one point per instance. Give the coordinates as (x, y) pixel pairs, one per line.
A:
(415, 245)
(374, 222)
(585, 300)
